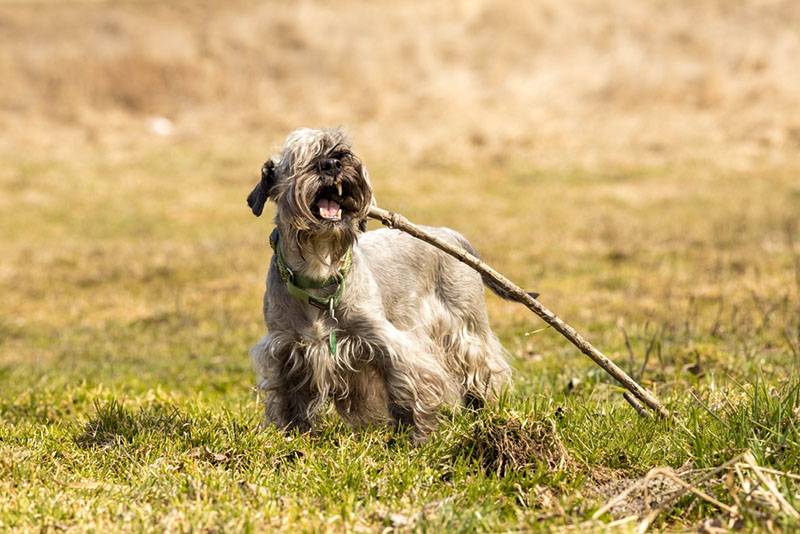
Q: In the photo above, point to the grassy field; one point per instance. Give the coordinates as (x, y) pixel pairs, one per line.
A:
(645, 183)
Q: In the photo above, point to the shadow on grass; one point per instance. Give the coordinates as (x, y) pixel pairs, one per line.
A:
(221, 440)
(115, 424)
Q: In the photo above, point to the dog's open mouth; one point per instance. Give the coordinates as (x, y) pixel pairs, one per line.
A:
(333, 201)
(329, 209)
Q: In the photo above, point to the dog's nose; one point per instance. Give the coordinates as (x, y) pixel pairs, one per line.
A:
(330, 166)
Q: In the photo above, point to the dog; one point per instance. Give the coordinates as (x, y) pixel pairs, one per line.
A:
(387, 327)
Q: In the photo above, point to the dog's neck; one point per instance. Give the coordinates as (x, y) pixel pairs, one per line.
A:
(315, 258)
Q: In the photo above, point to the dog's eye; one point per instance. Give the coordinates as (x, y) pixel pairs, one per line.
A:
(338, 154)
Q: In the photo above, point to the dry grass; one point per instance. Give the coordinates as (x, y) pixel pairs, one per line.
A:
(635, 162)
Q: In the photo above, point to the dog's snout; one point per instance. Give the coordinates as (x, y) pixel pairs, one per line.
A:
(330, 166)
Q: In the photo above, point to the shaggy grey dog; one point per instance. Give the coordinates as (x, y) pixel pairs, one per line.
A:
(388, 327)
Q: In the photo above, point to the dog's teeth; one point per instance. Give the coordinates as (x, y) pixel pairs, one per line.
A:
(339, 188)
(339, 214)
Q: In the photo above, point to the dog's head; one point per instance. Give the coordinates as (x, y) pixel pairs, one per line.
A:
(318, 184)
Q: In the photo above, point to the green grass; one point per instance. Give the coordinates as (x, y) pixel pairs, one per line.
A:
(131, 292)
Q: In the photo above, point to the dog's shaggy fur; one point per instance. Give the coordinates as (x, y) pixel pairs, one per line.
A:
(412, 328)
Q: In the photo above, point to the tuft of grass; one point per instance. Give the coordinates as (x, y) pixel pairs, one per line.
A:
(503, 441)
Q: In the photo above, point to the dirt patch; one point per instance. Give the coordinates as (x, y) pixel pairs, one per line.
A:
(638, 502)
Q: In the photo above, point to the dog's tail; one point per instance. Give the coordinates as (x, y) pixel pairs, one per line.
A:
(489, 282)
(500, 291)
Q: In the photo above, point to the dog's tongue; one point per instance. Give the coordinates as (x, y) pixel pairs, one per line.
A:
(329, 209)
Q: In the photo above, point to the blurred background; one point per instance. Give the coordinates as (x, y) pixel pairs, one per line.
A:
(627, 159)
(556, 83)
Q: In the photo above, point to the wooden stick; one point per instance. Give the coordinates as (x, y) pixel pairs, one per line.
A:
(397, 221)
(635, 404)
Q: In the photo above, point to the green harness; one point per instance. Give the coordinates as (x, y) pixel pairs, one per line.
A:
(298, 285)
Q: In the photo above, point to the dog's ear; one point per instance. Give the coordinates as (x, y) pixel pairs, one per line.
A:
(362, 224)
(259, 195)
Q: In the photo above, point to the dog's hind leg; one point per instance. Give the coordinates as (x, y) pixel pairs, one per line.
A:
(492, 372)
(469, 351)
(476, 361)
(459, 324)
(417, 385)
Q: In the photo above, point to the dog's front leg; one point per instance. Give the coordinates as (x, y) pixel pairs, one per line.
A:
(291, 402)
(291, 408)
